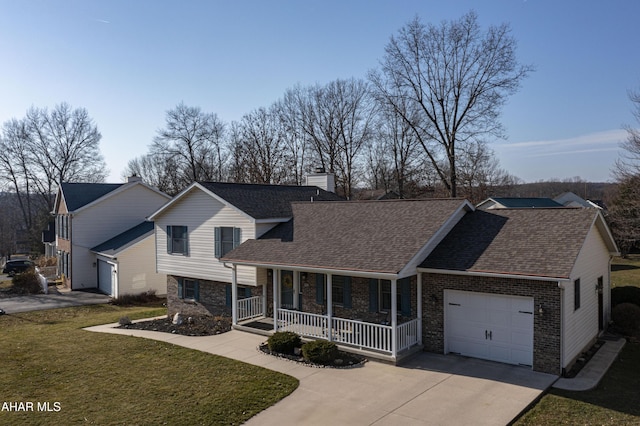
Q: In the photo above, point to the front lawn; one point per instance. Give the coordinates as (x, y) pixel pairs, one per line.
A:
(625, 272)
(96, 378)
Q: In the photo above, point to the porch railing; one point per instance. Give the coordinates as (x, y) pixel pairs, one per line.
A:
(251, 307)
(356, 333)
(407, 334)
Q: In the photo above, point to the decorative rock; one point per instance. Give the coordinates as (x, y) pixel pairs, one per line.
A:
(297, 351)
(124, 321)
(177, 319)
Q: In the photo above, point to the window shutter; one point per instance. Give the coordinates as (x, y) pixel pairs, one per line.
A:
(186, 241)
(347, 292)
(218, 242)
(320, 289)
(169, 240)
(227, 290)
(405, 293)
(196, 290)
(373, 295)
(247, 292)
(180, 289)
(236, 237)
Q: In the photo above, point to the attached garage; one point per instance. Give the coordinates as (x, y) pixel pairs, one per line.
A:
(489, 326)
(106, 272)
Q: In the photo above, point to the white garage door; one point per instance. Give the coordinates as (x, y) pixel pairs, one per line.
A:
(105, 277)
(489, 326)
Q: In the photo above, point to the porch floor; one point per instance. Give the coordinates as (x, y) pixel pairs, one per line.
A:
(264, 326)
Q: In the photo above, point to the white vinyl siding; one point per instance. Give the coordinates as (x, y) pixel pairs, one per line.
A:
(202, 213)
(581, 325)
(103, 221)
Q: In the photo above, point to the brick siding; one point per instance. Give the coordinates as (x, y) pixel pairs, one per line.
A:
(546, 327)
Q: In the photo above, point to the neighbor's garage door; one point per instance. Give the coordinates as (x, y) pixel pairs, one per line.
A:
(105, 277)
(489, 326)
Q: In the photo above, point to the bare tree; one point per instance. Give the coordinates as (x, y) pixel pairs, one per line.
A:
(290, 113)
(628, 164)
(338, 121)
(458, 77)
(162, 173)
(192, 141)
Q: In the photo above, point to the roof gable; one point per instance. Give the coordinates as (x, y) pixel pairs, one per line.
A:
(519, 203)
(372, 236)
(531, 242)
(78, 195)
(257, 201)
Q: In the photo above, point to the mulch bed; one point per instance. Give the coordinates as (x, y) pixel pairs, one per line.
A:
(344, 360)
(191, 326)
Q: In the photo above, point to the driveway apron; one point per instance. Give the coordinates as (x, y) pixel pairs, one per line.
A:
(429, 389)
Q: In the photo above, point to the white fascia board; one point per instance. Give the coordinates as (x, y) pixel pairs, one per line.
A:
(273, 220)
(364, 274)
(606, 234)
(492, 274)
(122, 188)
(410, 268)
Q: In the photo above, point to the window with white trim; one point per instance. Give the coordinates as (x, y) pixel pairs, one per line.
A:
(226, 239)
(177, 240)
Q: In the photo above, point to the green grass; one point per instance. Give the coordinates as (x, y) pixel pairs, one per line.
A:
(109, 379)
(615, 400)
(625, 272)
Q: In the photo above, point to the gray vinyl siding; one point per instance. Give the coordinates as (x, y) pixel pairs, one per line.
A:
(104, 220)
(201, 214)
(581, 325)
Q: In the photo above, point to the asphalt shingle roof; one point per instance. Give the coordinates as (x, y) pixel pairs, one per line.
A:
(373, 236)
(267, 201)
(534, 242)
(124, 238)
(77, 195)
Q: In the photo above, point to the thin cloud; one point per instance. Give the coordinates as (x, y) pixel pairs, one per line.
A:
(102, 21)
(606, 137)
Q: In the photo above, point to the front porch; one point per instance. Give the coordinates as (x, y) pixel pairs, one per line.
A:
(388, 336)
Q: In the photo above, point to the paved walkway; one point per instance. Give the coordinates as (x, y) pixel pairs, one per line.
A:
(429, 389)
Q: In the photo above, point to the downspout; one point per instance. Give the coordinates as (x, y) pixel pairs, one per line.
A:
(562, 342)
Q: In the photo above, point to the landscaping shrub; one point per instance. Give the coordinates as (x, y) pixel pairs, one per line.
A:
(27, 283)
(320, 352)
(284, 342)
(136, 299)
(626, 318)
(627, 294)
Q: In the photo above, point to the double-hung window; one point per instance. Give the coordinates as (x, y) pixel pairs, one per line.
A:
(226, 239)
(188, 289)
(380, 296)
(177, 240)
(340, 290)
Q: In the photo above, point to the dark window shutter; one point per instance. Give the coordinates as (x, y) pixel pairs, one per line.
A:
(218, 242)
(180, 289)
(227, 290)
(405, 293)
(373, 295)
(196, 290)
(247, 292)
(347, 292)
(236, 237)
(320, 289)
(169, 240)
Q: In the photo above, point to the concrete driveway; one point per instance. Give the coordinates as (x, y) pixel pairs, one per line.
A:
(53, 300)
(430, 389)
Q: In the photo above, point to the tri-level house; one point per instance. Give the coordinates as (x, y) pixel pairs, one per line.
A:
(102, 238)
(209, 219)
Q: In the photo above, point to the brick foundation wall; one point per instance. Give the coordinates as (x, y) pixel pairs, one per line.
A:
(212, 298)
(546, 327)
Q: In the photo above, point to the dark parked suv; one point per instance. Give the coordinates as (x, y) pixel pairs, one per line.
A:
(13, 267)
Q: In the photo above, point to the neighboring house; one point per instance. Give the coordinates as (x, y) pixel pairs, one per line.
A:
(523, 286)
(569, 199)
(126, 263)
(517, 203)
(209, 219)
(89, 214)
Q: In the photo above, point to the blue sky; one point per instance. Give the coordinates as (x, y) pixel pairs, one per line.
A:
(128, 62)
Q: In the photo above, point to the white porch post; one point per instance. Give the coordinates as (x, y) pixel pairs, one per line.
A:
(329, 307)
(264, 299)
(276, 280)
(234, 295)
(419, 303)
(394, 317)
